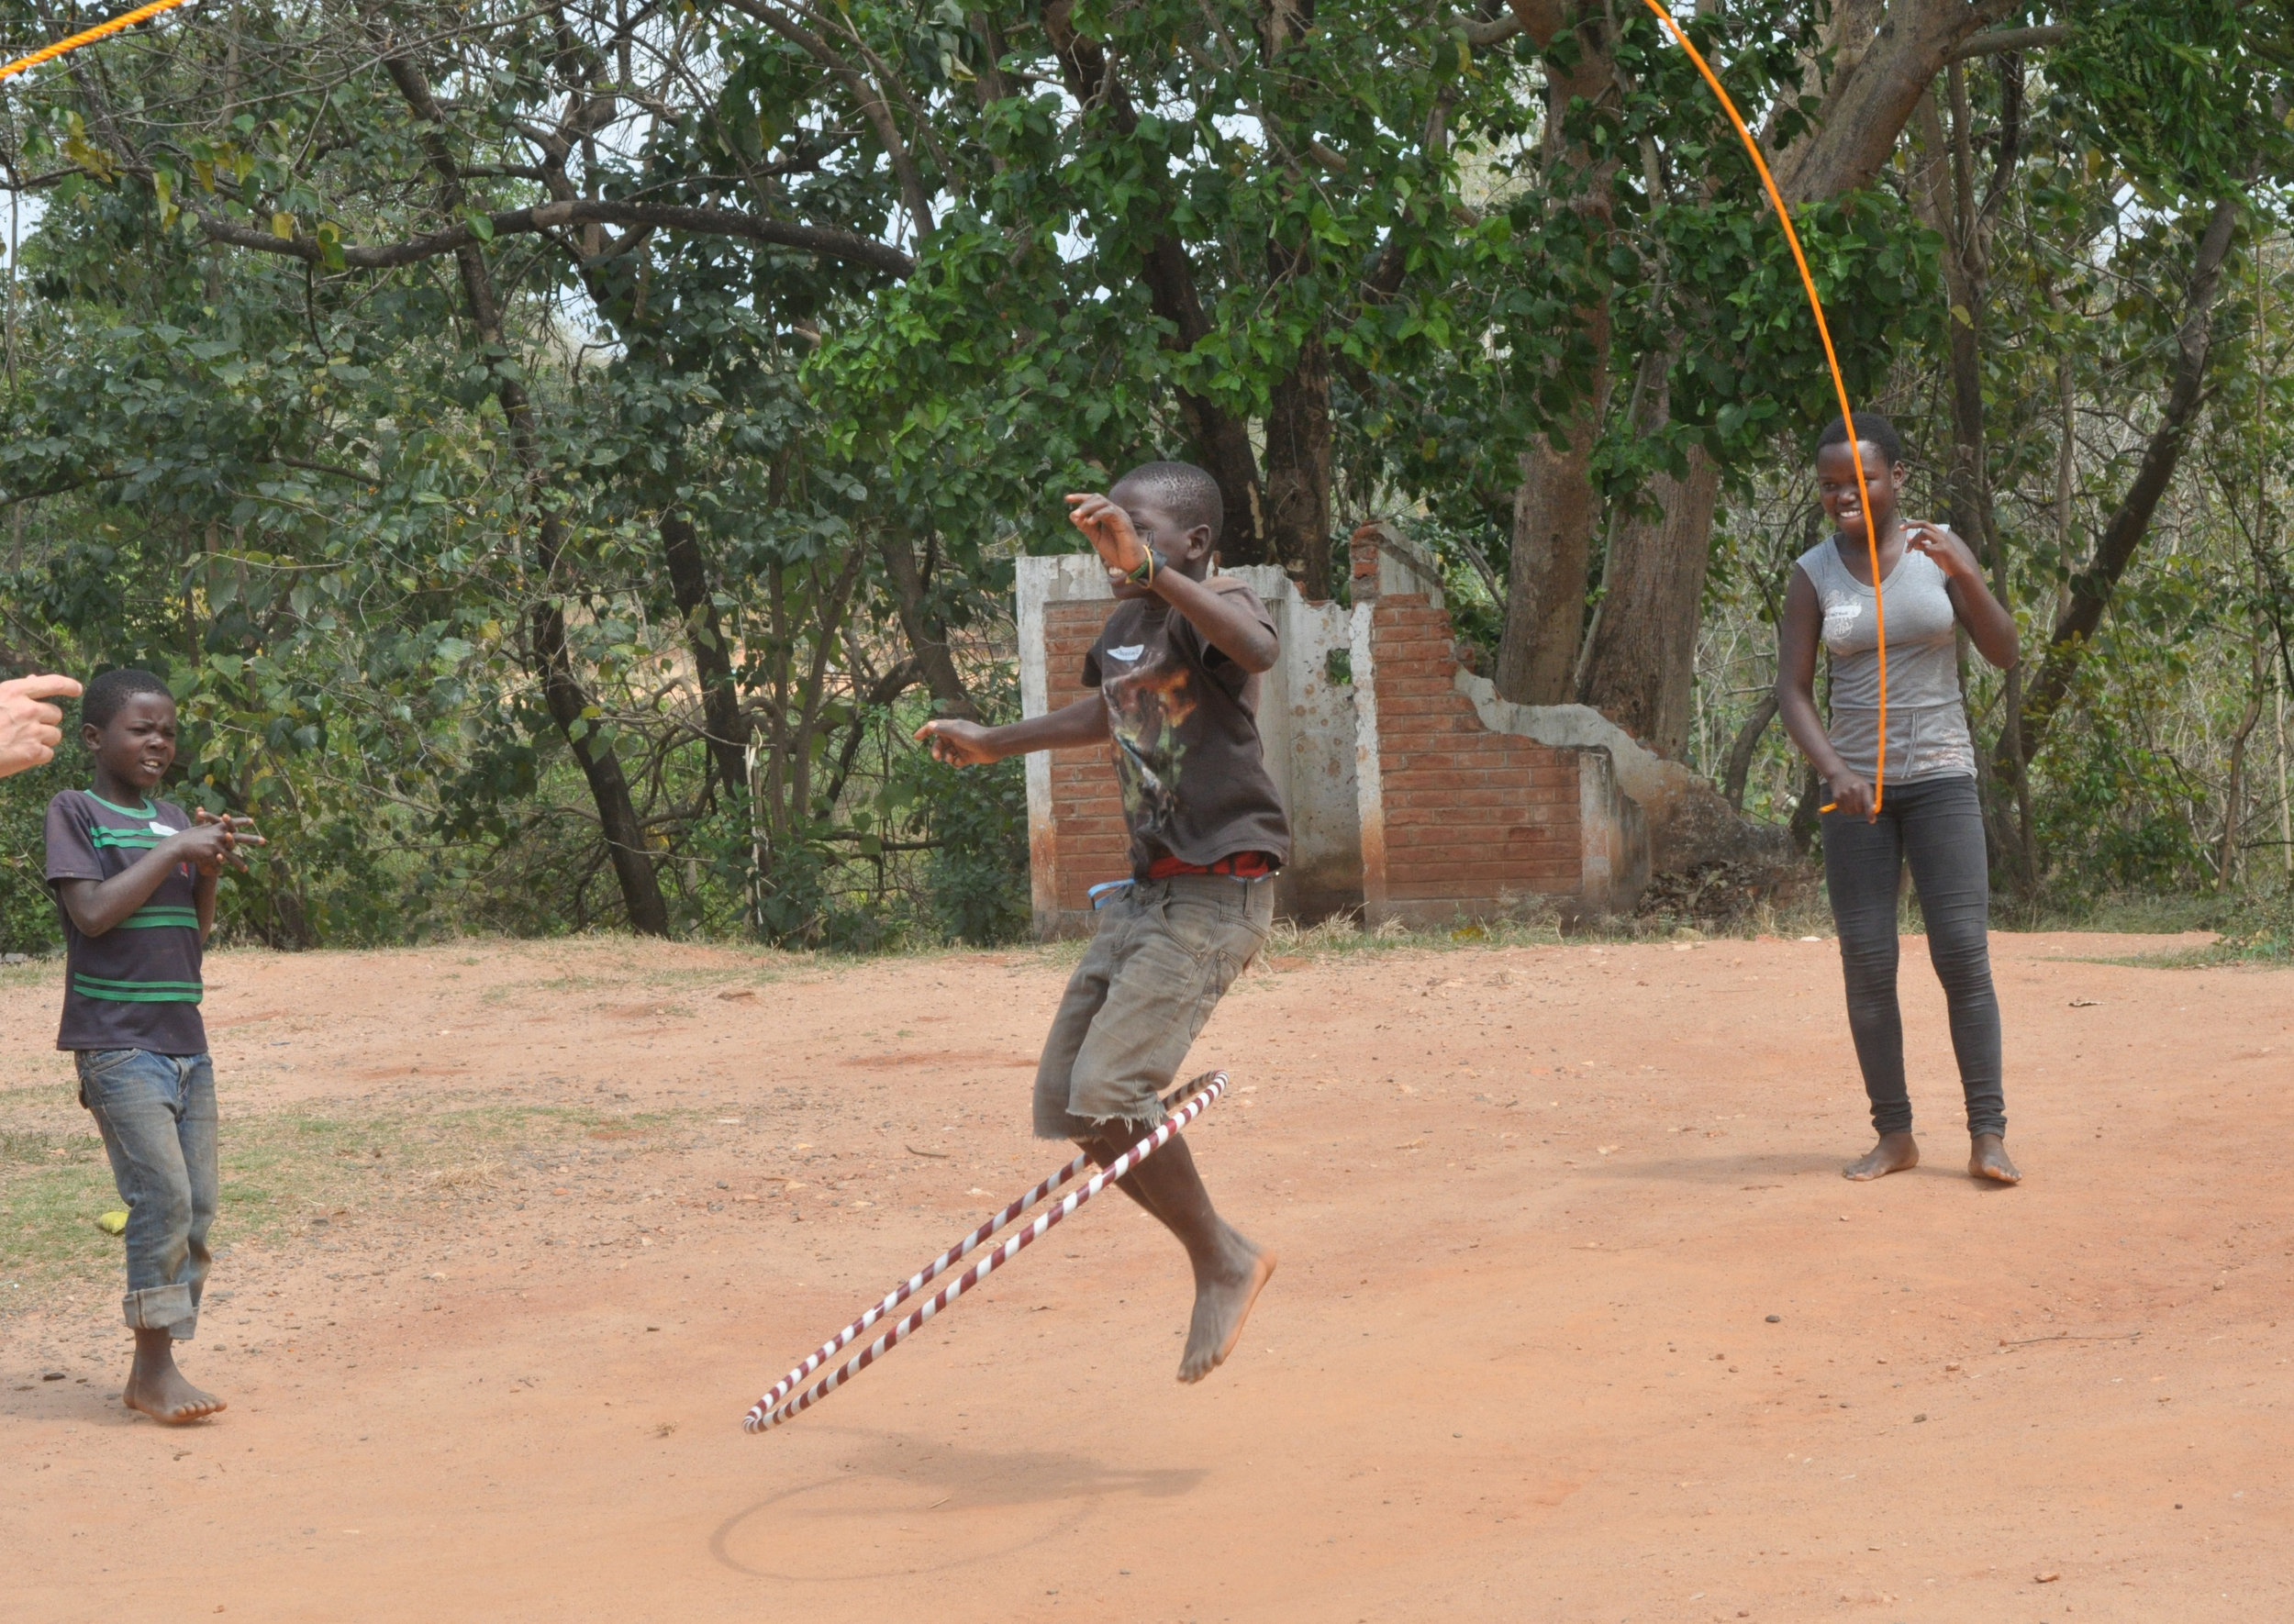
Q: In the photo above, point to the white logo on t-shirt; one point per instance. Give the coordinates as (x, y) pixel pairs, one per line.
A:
(160, 829)
(1130, 654)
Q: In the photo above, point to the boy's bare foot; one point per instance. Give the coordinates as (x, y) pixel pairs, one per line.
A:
(1988, 1158)
(1896, 1152)
(158, 1389)
(1222, 1302)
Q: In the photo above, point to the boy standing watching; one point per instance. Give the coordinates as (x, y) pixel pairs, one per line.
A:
(1176, 668)
(135, 879)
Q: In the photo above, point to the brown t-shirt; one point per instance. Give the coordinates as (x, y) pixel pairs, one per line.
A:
(1183, 720)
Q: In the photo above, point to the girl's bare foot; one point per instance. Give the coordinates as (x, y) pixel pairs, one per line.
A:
(1988, 1158)
(158, 1389)
(1894, 1154)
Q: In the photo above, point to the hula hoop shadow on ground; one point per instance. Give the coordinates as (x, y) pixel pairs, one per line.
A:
(962, 1507)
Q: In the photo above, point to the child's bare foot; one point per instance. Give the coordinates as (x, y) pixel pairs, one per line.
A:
(1222, 1302)
(158, 1389)
(1988, 1158)
(1896, 1152)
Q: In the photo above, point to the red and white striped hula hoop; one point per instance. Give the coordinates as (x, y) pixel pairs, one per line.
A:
(775, 1407)
(916, 1282)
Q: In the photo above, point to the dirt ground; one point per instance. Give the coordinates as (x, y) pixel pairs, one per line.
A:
(1575, 1319)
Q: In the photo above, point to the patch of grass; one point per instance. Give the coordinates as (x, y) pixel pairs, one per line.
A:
(1539, 925)
(2252, 929)
(51, 1186)
(281, 1169)
(2265, 951)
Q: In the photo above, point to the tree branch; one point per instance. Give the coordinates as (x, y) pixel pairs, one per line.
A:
(2005, 40)
(870, 99)
(826, 241)
(2093, 587)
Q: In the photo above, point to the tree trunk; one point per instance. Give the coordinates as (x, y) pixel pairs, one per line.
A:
(569, 703)
(1741, 750)
(1556, 507)
(1807, 820)
(1298, 471)
(724, 728)
(1871, 96)
(2092, 587)
(1644, 672)
(926, 634)
(1553, 515)
(1944, 197)
(2235, 791)
(1220, 441)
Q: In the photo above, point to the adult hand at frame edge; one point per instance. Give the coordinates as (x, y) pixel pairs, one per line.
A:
(31, 728)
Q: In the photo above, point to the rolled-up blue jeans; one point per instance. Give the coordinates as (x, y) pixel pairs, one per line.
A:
(156, 1113)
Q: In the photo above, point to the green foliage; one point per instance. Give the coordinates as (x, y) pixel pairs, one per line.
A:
(2187, 99)
(673, 523)
(28, 923)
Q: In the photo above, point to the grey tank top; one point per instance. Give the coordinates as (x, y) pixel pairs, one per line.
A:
(1927, 724)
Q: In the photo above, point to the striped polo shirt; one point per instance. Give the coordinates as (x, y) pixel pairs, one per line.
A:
(136, 985)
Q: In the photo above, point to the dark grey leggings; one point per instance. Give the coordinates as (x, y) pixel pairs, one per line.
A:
(1938, 825)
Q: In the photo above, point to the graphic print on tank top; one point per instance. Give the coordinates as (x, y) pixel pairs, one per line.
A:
(1148, 702)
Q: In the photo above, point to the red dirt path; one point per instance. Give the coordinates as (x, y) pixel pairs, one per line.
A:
(1533, 1206)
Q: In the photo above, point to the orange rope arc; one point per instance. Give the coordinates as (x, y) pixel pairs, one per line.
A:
(47, 53)
(1840, 384)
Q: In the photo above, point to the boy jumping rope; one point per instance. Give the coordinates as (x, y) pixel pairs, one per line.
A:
(135, 879)
(1176, 668)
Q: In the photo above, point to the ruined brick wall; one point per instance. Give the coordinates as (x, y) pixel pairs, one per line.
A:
(1086, 806)
(1413, 792)
(1465, 814)
(1470, 816)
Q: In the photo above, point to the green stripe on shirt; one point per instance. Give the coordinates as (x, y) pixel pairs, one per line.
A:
(139, 838)
(153, 918)
(136, 992)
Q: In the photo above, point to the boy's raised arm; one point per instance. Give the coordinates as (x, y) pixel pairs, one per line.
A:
(1220, 617)
(1223, 621)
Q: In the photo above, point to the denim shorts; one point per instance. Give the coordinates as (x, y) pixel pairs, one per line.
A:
(156, 1113)
(1164, 953)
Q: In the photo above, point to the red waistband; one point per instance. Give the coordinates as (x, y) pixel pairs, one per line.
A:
(1242, 865)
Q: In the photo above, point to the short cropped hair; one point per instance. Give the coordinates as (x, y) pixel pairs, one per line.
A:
(107, 693)
(1184, 491)
(1872, 429)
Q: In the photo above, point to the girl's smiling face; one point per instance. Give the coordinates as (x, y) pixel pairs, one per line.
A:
(1836, 487)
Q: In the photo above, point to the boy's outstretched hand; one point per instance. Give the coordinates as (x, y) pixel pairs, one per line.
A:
(1108, 528)
(212, 841)
(957, 742)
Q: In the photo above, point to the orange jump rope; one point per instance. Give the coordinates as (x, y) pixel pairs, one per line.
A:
(1840, 384)
(127, 19)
